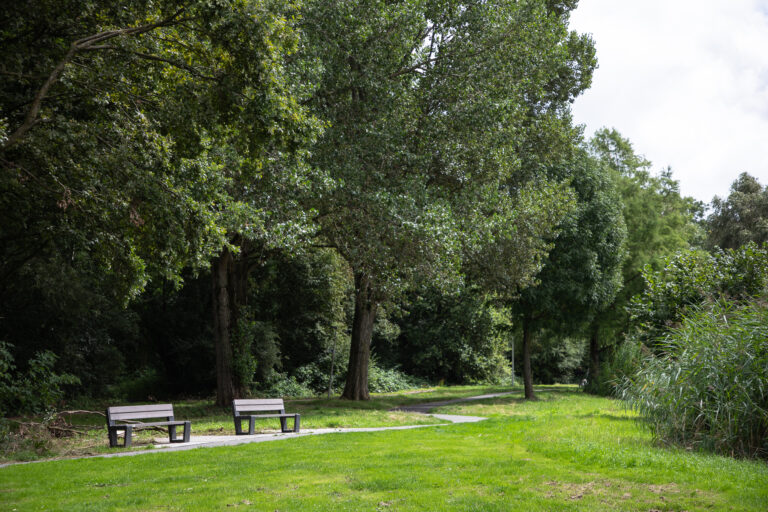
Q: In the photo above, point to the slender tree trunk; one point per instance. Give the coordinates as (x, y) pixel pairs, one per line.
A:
(594, 354)
(527, 373)
(356, 387)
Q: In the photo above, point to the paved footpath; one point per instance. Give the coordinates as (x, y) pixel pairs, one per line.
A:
(162, 444)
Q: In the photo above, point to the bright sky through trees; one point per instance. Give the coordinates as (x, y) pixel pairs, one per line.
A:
(686, 81)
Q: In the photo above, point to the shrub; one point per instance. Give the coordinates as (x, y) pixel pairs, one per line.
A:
(383, 380)
(709, 386)
(287, 386)
(35, 391)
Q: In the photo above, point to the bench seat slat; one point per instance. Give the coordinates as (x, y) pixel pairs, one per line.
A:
(140, 415)
(246, 416)
(151, 424)
(257, 408)
(141, 408)
(259, 401)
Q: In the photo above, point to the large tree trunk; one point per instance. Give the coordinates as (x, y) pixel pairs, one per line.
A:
(527, 373)
(229, 293)
(356, 387)
(594, 354)
(222, 328)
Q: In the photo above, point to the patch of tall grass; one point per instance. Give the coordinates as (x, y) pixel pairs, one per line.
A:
(709, 387)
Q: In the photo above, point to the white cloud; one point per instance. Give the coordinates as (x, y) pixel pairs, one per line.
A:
(686, 81)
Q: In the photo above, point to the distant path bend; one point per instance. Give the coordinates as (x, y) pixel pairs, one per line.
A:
(427, 407)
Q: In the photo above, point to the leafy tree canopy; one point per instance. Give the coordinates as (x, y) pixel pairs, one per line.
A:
(740, 218)
(124, 127)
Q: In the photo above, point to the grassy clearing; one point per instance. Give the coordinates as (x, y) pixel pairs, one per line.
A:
(567, 451)
(207, 419)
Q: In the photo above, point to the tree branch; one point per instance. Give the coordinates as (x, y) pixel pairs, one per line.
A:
(85, 43)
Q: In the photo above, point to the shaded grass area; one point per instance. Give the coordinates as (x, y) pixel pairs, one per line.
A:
(567, 451)
(208, 419)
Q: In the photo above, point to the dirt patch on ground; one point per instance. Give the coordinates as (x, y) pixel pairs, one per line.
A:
(649, 497)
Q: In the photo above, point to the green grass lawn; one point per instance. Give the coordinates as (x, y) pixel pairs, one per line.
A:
(568, 451)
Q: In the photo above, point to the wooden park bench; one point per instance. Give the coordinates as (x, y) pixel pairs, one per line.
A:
(124, 418)
(241, 408)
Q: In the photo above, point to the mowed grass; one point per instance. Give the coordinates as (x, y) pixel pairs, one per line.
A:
(568, 451)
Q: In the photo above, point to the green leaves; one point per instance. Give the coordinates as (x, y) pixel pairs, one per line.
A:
(428, 104)
(740, 218)
(691, 278)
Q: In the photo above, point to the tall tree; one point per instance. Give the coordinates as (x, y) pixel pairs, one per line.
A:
(582, 273)
(740, 218)
(427, 103)
(659, 223)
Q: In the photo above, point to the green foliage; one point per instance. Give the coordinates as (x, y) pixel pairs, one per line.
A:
(692, 277)
(582, 273)
(283, 385)
(556, 359)
(431, 106)
(461, 337)
(301, 305)
(123, 160)
(243, 361)
(740, 218)
(139, 386)
(389, 380)
(35, 391)
(659, 221)
(709, 388)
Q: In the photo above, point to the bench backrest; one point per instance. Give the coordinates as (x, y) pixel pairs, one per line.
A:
(241, 406)
(139, 412)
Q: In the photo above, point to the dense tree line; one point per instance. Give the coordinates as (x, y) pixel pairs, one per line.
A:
(325, 196)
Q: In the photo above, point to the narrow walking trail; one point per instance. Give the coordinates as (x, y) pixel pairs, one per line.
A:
(162, 444)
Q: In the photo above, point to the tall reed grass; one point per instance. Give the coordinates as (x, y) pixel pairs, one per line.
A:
(709, 387)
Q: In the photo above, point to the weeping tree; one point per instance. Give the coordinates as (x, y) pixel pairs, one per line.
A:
(430, 107)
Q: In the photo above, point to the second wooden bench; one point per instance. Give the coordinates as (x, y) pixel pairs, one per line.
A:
(124, 418)
(273, 407)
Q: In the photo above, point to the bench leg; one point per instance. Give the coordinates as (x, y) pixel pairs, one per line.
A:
(128, 436)
(296, 422)
(173, 436)
(112, 432)
(239, 427)
(251, 426)
(284, 424)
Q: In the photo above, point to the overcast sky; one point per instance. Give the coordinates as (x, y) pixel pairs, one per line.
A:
(686, 81)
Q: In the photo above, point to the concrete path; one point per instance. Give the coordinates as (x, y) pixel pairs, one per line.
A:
(425, 408)
(163, 445)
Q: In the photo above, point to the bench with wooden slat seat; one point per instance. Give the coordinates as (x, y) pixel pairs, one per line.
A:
(242, 408)
(123, 418)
